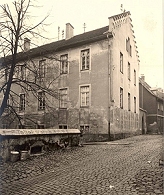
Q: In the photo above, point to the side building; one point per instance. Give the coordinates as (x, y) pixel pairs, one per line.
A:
(94, 82)
(152, 100)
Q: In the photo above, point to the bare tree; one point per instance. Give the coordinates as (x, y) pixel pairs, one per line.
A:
(17, 66)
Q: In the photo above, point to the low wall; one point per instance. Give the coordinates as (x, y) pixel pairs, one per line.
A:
(24, 139)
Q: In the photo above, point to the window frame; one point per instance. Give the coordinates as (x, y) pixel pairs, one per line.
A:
(129, 71)
(86, 59)
(85, 95)
(121, 62)
(22, 102)
(63, 102)
(135, 105)
(40, 125)
(62, 126)
(41, 100)
(129, 101)
(121, 97)
(135, 77)
(64, 64)
(83, 127)
(42, 68)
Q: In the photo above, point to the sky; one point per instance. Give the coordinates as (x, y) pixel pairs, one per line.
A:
(147, 19)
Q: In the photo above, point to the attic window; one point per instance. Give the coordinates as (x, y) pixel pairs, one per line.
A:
(128, 46)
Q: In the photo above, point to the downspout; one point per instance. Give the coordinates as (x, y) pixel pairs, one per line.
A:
(109, 84)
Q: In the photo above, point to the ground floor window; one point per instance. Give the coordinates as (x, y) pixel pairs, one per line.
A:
(84, 128)
(62, 126)
(40, 126)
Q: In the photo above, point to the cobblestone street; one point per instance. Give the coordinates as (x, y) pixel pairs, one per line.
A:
(125, 167)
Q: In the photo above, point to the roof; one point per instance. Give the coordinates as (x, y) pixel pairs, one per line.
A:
(81, 39)
(158, 94)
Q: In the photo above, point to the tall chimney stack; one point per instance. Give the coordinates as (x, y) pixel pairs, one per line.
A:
(26, 44)
(69, 31)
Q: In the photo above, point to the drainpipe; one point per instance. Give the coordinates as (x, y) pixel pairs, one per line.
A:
(110, 87)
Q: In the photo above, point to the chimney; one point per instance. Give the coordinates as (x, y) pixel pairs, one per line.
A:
(26, 44)
(69, 31)
(143, 77)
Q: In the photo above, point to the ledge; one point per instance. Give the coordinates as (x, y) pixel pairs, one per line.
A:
(4, 132)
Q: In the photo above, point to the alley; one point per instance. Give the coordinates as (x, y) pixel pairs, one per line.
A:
(129, 166)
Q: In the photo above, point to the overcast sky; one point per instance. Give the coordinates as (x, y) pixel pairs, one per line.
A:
(146, 18)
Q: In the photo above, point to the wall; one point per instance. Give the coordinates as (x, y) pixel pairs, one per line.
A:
(123, 121)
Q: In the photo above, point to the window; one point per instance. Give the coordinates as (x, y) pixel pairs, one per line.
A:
(21, 126)
(128, 46)
(84, 96)
(40, 126)
(121, 62)
(128, 70)
(22, 102)
(62, 126)
(41, 73)
(5, 126)
(121, 98)
(130, 52)
(134, 77)
(85, 59)
(129, 101)
(63, 98)
(84, 128)
(134, 104)
(41, 100)
(21, 72)
(64, 64)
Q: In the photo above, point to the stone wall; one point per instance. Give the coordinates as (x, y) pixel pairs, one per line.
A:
(24, 143)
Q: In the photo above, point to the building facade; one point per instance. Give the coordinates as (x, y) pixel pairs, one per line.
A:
(92, 81)
(152, 100)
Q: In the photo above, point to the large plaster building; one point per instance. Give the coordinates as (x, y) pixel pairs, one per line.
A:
(93, 78)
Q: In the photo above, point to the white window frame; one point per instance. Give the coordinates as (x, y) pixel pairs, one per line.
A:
(41, 100)
(85, 95)
(64, 64)
(121, 62)
(129, 70)
(85, 57)
(121, 97)
(63, 97)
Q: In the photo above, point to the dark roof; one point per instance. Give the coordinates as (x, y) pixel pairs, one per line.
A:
(81, 39)
(158, 94)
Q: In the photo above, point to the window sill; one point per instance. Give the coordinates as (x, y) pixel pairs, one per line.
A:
(86, 70)
(63, 108)
(63, 74)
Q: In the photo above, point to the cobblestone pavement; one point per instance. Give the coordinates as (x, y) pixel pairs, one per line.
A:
(123, 167)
